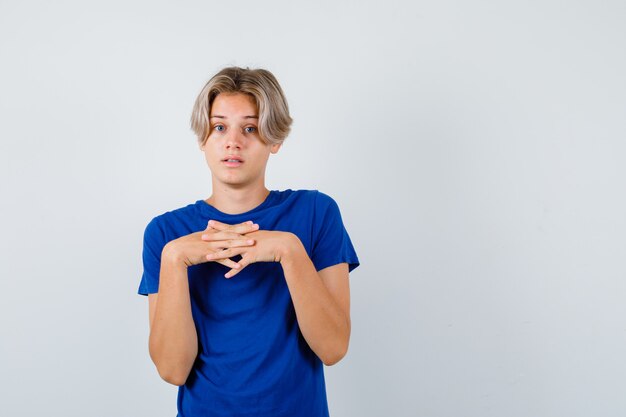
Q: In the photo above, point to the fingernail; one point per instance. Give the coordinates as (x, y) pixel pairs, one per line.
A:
(237, 266)
(250, 242)
(249, 222)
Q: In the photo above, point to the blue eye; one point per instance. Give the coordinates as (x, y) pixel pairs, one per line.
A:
(219, 128)
(250, 129)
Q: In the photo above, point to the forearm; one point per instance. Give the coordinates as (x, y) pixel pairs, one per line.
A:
(173, 339)
(323, 324)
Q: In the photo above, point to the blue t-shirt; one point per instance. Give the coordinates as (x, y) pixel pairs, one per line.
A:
(252, 359)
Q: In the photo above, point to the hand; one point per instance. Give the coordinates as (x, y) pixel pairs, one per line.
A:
(269, 246)
(192, 249)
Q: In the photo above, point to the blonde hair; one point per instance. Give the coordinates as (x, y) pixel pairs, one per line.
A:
(274, 119)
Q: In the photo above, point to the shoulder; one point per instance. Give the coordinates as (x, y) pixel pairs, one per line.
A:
(324, 200)
(164, 221)
(314, 196)
(314, 201)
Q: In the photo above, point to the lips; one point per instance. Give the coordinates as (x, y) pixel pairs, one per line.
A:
(232, 161)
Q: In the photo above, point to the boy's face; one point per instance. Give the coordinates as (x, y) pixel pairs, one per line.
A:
(234, 151)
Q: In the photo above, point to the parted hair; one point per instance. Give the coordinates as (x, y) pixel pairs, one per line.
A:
(274, 119)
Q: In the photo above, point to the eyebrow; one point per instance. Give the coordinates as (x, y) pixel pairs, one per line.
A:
(224, 117)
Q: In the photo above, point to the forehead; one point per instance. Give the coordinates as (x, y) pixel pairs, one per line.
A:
(233, 105)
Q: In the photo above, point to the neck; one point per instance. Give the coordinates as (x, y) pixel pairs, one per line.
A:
(237, 200)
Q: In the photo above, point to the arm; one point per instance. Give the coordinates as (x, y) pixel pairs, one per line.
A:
(173, 343)
(321, 301)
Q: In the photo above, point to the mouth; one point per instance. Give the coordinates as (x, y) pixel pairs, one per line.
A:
(232, 161)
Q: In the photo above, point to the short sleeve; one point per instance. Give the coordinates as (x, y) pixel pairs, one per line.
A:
(331, 242)
(153, 243)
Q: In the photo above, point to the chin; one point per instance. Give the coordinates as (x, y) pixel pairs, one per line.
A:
(234, 181)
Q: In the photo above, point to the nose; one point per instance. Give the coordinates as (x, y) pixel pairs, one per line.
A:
(234, 140)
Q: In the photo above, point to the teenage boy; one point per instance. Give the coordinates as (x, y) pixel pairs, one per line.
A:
(248, 290)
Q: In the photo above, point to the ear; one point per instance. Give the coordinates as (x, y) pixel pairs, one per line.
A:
(275, 147)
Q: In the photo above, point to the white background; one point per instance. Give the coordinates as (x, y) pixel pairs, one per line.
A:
(476, 150)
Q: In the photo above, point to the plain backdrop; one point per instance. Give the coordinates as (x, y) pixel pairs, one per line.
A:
(476, 151)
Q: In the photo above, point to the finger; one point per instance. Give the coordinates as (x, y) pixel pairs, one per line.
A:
(240, 228)
(213, 236)
(237, 243)
(229, 263)
(231, 273)
(221, 245)
(212, 222)
(219, 225)
(226, 253)
(242, 264)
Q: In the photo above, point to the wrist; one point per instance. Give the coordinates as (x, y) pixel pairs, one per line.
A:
(291, 247)
(172, 257)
